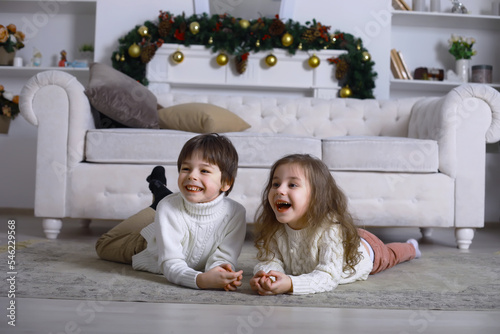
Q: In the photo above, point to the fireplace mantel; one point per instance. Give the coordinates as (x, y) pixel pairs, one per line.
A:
(200, 73)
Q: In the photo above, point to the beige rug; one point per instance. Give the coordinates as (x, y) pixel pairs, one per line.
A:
(441, 280)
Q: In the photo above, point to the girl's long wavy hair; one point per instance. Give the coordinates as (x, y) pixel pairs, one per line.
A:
(328, 206)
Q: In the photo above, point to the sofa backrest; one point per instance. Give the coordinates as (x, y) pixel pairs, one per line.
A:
(311, 116)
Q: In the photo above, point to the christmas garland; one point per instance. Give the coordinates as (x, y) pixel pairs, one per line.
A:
(238, 37)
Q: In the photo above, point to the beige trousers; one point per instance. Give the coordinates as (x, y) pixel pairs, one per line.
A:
(124, 240)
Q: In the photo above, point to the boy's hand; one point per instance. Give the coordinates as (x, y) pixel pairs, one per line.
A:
(220, 277)
(237, 283)
(271, 283)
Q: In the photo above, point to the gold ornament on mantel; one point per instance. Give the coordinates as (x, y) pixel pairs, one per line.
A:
(257, 44)
(287, 39)
(222, 59)
(194, 27)
(244, 24)
(143, 31)
(271, 60)
(345, 91)
(178, 57)
(314, 61)
(134, 50)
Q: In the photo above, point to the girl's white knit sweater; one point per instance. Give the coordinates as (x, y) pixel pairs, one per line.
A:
(189, 238)
(315, 264)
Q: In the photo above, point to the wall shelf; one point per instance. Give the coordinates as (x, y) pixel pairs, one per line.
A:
(445, 20)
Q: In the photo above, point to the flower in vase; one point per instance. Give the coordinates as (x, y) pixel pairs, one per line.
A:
(9, 103)
(11, 39)
(461, 48)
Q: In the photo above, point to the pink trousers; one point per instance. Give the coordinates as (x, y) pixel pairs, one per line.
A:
(387, 255)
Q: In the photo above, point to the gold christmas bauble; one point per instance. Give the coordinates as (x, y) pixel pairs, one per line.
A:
(194, 27)
(257, 44)
(313, 61)
(222, 59)
(287, 39)
(345, 91)
(300, 46)
(178, 57)
(143, 31)
(366, 56)
(271, 60)
(244, 24)
(134, 51)
(211, 40)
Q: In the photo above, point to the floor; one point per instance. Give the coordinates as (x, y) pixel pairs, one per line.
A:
(54, 316)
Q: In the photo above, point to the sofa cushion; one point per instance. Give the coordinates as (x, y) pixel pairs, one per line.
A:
(200, 118)
(121, 98)
(127, 145)
(263, 149)
(382, 154)
(142, 146)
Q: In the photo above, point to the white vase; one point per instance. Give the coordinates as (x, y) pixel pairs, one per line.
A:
(462, 69)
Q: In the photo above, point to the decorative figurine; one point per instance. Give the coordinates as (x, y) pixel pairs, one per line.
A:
(458, 7)
(62, 62)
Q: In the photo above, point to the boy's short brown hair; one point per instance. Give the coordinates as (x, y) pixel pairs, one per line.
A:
(215, 149)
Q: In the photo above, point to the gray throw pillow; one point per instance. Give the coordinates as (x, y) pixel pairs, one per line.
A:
(121, 98)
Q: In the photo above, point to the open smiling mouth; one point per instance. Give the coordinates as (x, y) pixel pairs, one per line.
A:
(282, 206)
(193, 188)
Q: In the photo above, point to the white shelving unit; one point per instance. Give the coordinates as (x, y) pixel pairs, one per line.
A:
(422, 37)
(50, 27)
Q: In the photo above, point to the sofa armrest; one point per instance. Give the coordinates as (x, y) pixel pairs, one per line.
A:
(462, 122)
(55, 102)
(471, 111)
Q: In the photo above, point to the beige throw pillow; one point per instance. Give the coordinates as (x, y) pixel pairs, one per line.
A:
(200, 118)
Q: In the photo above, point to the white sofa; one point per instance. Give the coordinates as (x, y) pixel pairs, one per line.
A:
(415, 162)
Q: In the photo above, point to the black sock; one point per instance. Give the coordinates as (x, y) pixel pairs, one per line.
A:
(158, 185)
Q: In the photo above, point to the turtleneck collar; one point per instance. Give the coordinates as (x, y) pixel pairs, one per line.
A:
(205, 211)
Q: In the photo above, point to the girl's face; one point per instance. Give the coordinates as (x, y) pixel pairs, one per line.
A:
(199, 181)
(290, 195)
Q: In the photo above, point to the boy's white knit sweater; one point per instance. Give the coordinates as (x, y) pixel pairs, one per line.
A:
(189, 238)
(314, 265)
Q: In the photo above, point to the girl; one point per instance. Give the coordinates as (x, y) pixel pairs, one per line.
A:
(306, 239)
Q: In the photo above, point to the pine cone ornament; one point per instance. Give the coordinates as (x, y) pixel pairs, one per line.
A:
(164, 28)
(277, 28)
(341, 69)
(241, 63)
(309, 35)
(147, 53)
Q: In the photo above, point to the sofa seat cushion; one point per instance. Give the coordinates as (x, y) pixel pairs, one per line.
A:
(381, 154)
(143, 146)
(135, 146)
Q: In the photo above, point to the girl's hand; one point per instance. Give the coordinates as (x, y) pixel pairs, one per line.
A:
(271, 283)
(220, 277)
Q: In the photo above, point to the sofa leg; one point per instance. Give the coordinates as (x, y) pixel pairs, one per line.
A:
(464, 237)
(426, 232)
(51, 228)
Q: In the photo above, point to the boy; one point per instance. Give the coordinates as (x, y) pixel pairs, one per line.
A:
(197, 233)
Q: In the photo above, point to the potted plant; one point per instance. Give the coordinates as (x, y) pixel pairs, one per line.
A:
(9, 109)
(11, 40)
(461, 49)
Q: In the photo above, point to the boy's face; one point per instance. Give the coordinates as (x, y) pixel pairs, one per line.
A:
(290, 195)
(200, 181)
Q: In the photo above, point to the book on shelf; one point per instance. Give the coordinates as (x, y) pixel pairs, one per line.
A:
(398, 66)
(405, 67)
(400, 5)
